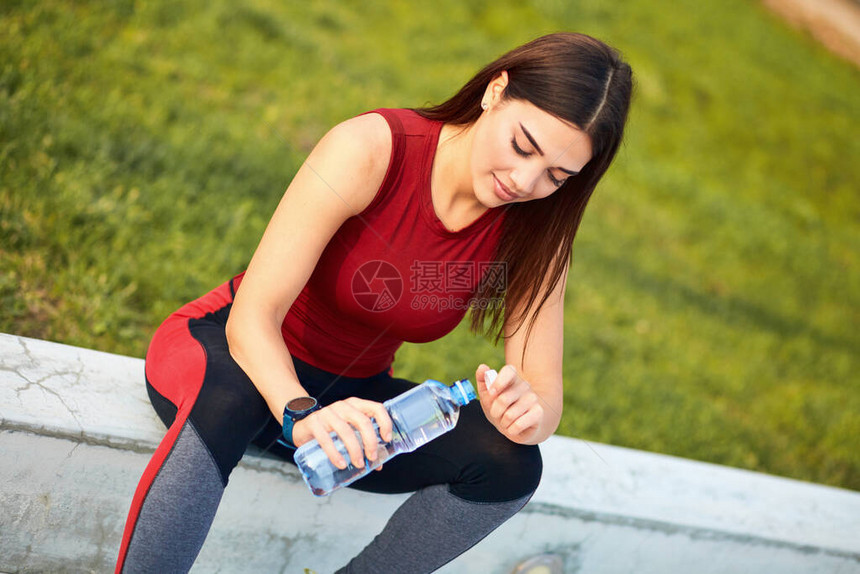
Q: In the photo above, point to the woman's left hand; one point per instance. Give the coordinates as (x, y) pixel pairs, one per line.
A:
(510, 404)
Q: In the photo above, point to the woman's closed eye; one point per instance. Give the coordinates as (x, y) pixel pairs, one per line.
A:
(520, 151)
(555, 182)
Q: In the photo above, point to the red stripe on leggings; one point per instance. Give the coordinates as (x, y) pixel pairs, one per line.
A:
(175, 367)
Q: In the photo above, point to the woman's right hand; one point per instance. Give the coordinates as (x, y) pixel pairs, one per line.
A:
(345, 417)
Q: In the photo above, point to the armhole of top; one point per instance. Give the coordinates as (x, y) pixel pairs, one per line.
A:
(394, 161)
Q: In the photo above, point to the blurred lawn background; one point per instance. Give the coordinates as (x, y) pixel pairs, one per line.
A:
(714, 302)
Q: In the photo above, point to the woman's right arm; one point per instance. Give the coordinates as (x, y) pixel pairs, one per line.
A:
(339, 179)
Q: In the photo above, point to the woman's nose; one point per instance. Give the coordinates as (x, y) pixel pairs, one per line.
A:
(525, 178)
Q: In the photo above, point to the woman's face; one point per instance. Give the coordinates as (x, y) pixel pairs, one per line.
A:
(520, 152)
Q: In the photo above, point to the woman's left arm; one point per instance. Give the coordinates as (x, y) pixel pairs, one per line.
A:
(526, 399)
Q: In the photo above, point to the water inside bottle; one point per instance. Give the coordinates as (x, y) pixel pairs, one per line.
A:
(424, 420)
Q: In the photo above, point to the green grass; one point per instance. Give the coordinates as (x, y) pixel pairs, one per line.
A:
(713, 306)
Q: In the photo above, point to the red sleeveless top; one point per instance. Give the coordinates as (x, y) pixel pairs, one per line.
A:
(394, 272)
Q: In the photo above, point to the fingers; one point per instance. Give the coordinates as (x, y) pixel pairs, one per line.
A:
(505, 389)
(344, 422)
(378, 413)
(355, 422)
(509, 406)
(510, 403)
(507, 378)
(319, 432)
(518, 420)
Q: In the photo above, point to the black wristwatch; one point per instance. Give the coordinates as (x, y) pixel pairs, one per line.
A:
(296, 410)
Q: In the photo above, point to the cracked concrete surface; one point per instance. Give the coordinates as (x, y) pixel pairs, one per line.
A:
(63, 391)
(76, 431)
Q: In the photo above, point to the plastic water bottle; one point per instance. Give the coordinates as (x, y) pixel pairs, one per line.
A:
(419, 415)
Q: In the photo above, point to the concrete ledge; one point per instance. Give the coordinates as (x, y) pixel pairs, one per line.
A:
(76, 431)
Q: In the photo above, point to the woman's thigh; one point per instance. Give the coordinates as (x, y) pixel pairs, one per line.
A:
(191, 375)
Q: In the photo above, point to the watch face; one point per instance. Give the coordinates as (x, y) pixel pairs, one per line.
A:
(301, 404)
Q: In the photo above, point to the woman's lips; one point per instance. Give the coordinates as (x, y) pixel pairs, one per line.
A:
(502, 190)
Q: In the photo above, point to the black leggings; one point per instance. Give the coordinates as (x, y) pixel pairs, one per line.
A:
(193, 381)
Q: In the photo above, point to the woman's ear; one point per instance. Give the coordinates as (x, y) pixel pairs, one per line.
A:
(495, 89)
(503, 79)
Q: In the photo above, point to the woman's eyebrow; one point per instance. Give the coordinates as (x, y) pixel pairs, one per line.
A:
(540, 151)
(531, 139)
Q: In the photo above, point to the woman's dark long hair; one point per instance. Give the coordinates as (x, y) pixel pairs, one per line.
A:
(584, 82)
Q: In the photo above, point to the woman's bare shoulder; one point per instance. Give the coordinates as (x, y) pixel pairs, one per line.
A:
(361, 149)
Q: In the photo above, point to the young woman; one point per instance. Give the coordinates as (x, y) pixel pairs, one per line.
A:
(396, 224)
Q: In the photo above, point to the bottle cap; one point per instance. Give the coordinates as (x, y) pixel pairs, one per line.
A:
(463, 391)
(490, 378)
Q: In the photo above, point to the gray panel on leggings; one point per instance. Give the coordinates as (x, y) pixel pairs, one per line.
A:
(178, 509)
(429, 530)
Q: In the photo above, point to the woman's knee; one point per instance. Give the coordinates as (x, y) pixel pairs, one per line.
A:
(506, 473)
